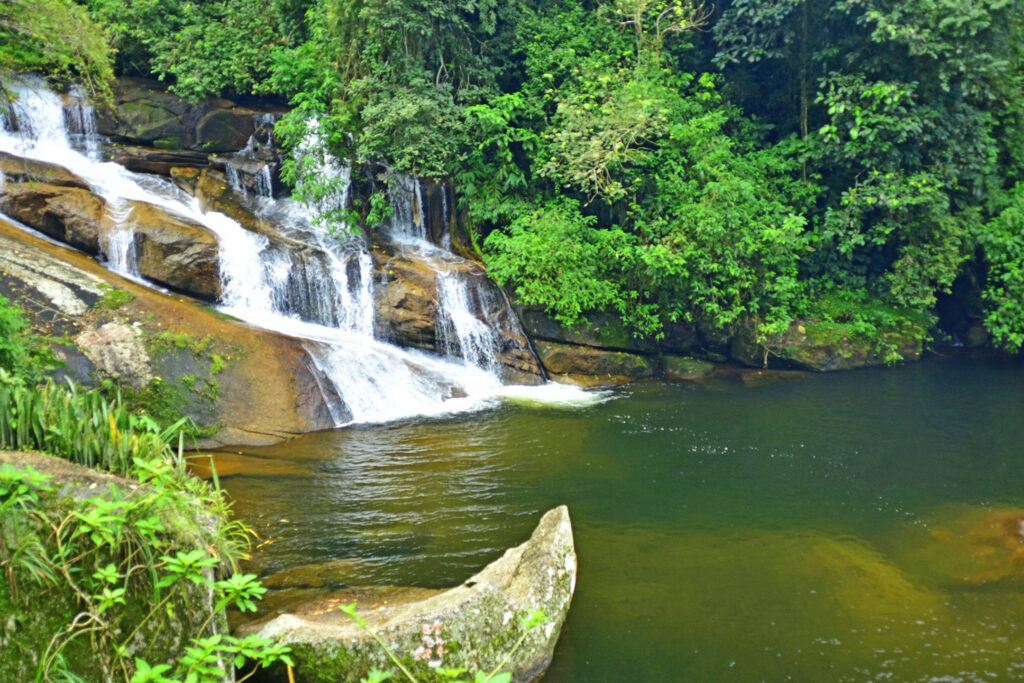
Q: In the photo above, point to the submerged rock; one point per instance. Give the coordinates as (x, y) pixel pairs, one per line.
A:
(680, 368)
(473, 625)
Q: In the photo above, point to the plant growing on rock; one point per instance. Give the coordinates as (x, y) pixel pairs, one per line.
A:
(135, 569)
(433, 650)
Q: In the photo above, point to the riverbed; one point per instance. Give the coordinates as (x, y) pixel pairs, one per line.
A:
(861, 526)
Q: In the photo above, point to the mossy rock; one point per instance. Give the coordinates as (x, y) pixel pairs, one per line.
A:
(479, 621)
(686, 369)
(573, 359)
(847, 335)
(34, 612)
(596, 329)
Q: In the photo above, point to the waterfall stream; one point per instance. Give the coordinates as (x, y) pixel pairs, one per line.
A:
(319, 287)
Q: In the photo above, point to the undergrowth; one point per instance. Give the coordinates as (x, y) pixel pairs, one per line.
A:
(137, 564)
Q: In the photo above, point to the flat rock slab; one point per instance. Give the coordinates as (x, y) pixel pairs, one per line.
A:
(473, 625)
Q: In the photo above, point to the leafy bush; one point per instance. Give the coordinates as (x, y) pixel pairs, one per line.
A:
(1002, 241)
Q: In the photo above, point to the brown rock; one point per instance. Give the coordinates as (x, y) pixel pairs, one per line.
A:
(19, 169)
(570, 359)
(68, 214)
(267, 389)
(185, 177)
(152, 160)
(215, 194)
(406, 310)
(175, 251)
(405, 303)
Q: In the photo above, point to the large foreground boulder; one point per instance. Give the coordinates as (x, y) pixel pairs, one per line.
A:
(473, 625)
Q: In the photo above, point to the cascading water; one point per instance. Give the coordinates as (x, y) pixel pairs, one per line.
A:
(460, 330)
(318, 289)
(463, 301)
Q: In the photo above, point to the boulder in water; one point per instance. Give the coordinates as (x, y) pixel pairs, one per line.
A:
(175, 251)
(473, 625)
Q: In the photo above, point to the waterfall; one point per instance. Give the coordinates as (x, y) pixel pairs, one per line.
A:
(317, 287)
(118, 243)
(408, 219)
(464, 328)
(460, 329)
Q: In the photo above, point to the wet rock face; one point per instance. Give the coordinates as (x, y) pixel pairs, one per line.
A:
(407, 309)
(153, 160)
(68, 214)
(473, 625)
(174, 251)
(171, 250)
(19, 170)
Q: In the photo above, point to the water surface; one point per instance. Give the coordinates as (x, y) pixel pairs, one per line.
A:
(852, 527)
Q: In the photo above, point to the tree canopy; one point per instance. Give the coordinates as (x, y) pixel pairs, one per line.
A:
(666, 159)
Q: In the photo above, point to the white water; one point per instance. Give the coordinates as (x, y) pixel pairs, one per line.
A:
(362, 379)
(464, 328)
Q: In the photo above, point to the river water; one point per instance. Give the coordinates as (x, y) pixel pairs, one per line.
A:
(851, 527)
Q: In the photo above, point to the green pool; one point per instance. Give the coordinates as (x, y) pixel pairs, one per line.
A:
(854, 527)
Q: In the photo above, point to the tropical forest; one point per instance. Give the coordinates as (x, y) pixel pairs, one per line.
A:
(466, 340)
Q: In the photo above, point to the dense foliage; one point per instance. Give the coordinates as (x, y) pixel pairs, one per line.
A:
(666, 159)
(56, 37)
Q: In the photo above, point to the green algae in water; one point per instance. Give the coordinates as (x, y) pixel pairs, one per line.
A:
(853, 527)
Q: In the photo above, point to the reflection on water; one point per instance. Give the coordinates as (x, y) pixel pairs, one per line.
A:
(855, 527)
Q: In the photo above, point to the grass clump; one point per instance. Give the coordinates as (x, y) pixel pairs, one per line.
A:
(113, 299)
